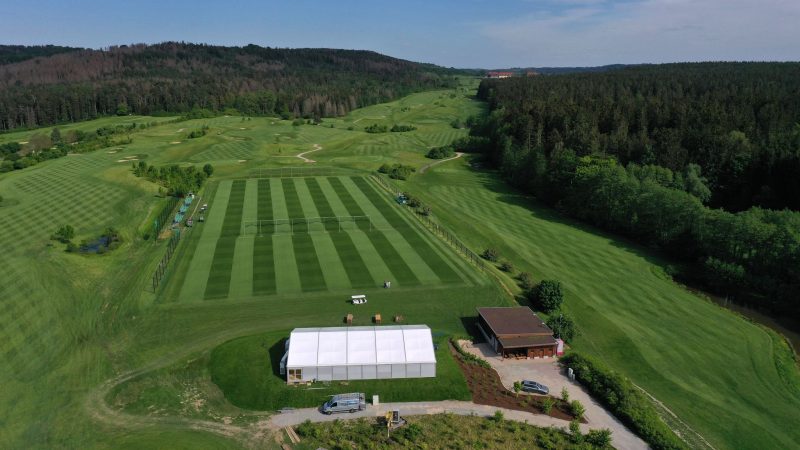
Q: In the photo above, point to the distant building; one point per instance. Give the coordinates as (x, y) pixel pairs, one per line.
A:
(517, 332)
(531, 73)
(500, 74)
(359, 353)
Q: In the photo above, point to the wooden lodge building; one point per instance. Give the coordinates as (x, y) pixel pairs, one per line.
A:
(517, 332)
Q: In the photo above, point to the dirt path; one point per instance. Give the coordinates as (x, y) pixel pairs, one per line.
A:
(436, 163)
(302, 156)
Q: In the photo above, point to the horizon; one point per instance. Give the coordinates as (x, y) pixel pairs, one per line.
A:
(470, 34)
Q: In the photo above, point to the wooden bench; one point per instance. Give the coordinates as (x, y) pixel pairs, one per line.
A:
(377, 318)
(348, 319)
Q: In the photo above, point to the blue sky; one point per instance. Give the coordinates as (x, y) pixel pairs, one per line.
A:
(459, 33)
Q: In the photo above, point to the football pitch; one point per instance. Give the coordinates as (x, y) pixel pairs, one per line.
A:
(272, 236)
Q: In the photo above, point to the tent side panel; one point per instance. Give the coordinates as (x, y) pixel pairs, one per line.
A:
(428, 370)
(354, 373)
(325, 374)
(369, 372)
(339, 372)
(413, 370)
(384, 371)
(398, 371)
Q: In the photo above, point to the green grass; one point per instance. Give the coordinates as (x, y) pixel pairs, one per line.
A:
(715, 370)
(438, 431)
(310, 255)
(246, 370)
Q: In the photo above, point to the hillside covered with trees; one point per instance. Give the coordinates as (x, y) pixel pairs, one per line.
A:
(174, 77)
(738, 121)
(681, 157)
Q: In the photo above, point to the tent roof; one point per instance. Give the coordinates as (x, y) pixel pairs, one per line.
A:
(343, 346)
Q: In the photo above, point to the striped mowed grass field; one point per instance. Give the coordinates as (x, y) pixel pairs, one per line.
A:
(269, 236)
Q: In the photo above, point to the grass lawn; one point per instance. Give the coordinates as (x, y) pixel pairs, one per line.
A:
(246, 370)
(724, 376)
(235, 261)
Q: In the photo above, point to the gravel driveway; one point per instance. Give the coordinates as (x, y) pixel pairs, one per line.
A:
(548, 372)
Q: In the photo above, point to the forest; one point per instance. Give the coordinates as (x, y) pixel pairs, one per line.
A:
(737, 121)
(73, 85)
(684, 158)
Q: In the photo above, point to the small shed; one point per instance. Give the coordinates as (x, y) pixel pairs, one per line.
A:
(516, 332)
(360, 353)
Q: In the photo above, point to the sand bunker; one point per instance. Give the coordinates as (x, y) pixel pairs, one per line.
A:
(175, 142)
(127, 160)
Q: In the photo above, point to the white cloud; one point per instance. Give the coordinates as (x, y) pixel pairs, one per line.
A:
(593, 33)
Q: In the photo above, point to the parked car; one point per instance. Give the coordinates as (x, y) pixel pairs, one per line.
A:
(345, 403)
(536, 388)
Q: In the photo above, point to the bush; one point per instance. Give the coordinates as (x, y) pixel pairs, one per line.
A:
(402, 128)
(396, 171)
(469, 357)
(411, 432)
(507, 266)
(599, 438)
(375, 128)
(548, 295)
(564, 394)
(498, 416)
(577, 409)
(64, 234)
(440, 152)
(490, 254)
(575, 431)
(526, 282)
(547, 405)
(627, 403)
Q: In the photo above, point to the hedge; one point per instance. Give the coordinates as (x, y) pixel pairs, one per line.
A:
(624, 400)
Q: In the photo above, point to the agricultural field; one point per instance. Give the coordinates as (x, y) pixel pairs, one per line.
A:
(721, 374)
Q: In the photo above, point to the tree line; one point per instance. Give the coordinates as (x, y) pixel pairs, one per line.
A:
(751, 255)
(178, 77)
(737, 121)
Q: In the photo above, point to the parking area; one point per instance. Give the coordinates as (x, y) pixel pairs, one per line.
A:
(548, 372)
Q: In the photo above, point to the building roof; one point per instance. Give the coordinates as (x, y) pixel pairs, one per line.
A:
(514, 321)
(343, 346)
(528, 341)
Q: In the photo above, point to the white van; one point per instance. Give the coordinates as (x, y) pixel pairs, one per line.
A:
(345, 403)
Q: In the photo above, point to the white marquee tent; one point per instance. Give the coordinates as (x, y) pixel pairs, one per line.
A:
(359, 353)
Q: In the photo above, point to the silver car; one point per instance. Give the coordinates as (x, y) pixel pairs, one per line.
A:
(536, 388)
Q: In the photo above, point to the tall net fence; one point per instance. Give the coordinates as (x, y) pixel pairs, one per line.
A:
(255, 227)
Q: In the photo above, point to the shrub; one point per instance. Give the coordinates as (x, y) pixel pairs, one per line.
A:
(626, 402)
(575, 431)
(397, 171)
(507, 266)
(564, 394)
(549, 295)
(469, 358)
(402, 128)
(411, 432)
(498, 416)
(297, 122)
(72, 248)
(375, 128)
(208, 169)
(547, 405)
(64, 234)
(577, 409)
(599, 438)
(490, 254)
(526, 282)
(309, 429)
(440, 152)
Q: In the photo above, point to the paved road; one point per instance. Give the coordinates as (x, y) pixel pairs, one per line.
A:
(548, 372)
(298, 416)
